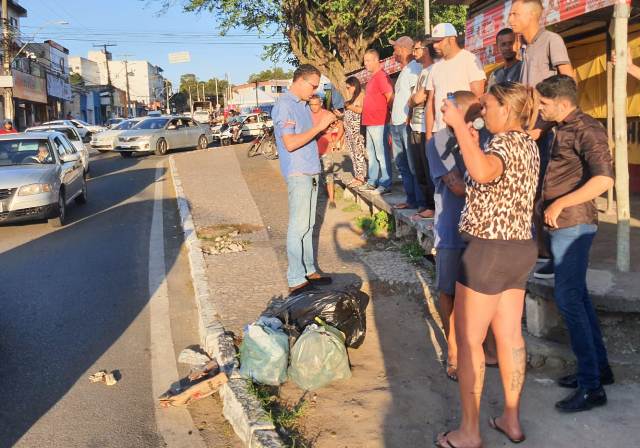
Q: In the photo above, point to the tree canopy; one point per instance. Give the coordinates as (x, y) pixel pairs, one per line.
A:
(269, 74)
(331, 34)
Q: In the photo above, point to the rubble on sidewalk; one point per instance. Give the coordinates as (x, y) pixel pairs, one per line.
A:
(224, 244)
(201, 382)
(103, 376)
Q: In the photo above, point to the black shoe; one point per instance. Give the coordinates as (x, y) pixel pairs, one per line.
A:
(545, 272)
(321, 280)
(571, 381)
(583, 400)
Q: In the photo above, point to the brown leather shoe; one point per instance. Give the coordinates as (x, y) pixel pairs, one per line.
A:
(318, 279)
(299, 288)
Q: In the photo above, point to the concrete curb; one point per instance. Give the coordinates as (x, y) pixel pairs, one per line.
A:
(240, 407)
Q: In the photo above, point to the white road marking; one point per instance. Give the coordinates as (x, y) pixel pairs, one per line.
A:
(174, 425)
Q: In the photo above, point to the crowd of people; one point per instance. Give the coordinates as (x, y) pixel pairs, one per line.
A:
(509, 167)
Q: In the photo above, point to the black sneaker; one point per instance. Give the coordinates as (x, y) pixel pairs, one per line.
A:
(583, 400)
(545, 272)
(571, 381)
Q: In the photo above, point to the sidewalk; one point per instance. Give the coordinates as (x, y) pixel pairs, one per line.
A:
(399, 395)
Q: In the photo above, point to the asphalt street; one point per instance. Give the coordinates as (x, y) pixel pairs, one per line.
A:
(110, 290)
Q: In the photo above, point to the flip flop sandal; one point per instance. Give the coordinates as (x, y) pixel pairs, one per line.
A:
(402, 206)
(494, 426)
(452, 372)
(447, 443)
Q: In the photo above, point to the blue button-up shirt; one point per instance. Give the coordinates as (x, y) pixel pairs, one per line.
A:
(291, 115)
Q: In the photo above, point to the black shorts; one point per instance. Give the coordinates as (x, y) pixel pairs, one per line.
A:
(494, 266)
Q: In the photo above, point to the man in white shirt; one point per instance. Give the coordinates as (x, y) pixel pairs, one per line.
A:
(458, 69)
(405, 84)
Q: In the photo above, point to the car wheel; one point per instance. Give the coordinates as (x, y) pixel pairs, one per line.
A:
(82, 199)
(126, 154)
(203, 142)
(60, 216)
(161, 147)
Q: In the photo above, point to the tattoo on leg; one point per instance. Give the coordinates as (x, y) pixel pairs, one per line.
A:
(519, 368)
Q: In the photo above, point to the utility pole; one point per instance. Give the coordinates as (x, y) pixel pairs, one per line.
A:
(621, 18)
(257, 101)
(217, 103)
(106, 61)
(127, 94)
(6, 61)
(167, 85)
(190, 102)
(427, 18)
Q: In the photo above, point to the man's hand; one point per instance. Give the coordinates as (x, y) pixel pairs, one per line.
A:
(326, 121)
(552, 213)
(534, 133)
(419, 97)
(451, 115)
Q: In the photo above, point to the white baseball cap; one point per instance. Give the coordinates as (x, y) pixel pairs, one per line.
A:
(442, 30)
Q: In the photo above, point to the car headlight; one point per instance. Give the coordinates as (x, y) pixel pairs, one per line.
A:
(28, 190)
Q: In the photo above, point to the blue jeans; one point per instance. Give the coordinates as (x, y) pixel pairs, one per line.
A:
(570, 248)
(379, 163)
(406, 164)
(303, 198)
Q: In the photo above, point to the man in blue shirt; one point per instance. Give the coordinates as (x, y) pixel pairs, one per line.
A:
(300, 166)
(447, 171)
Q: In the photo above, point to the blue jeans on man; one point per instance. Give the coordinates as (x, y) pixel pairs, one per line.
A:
(570, 249)
(406, 165)
(379, 164)
(303, 199)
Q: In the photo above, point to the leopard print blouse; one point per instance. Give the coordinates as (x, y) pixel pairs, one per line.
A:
(503, 209)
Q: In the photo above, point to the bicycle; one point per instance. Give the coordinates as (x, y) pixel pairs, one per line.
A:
(264, 144)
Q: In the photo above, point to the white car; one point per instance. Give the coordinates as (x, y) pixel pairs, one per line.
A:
(201, 116)
(108, 140)
(73, 136)
(252, 124)
(84, 129)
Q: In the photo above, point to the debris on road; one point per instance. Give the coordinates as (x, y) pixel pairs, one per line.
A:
(193, 356)
(103, 377)
(224, 244)
(200, 383)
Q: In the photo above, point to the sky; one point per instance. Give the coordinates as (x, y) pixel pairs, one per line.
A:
(142, 31)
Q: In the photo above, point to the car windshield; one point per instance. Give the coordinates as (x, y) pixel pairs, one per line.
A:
(68, 132)
(25, 152)
(83, 123)
(127, 124)
(152, 123)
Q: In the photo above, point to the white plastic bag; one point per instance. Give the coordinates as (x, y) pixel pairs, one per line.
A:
(264, 352)
(319, 357)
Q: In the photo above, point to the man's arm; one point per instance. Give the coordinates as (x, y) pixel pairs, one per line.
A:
(589, 191)
(430, 114)
(477, 87)
(389, 97)
(454, 182)
(293, 142)
(566, 69)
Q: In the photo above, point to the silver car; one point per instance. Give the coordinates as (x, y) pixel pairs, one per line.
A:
(40, 175)
(73, 136)
(108, 140)
(162, 134)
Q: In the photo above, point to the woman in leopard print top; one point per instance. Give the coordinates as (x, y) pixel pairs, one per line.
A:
(496, 222)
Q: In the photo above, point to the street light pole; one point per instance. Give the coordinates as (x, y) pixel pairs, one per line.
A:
(427, 18)
(6, 64)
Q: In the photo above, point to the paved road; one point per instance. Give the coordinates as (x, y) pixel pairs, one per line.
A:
(94, 295)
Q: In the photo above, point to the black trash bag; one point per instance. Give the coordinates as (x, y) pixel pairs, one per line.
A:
(342, 309)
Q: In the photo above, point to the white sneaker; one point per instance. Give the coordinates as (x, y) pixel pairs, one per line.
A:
(382, 190)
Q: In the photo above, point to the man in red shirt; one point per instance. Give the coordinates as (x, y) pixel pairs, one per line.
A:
(8, 128)
(326, 144)
(375, 116)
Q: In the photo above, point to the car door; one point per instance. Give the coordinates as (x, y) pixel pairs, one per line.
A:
(192, 132)
(173, 133)
(73, 168)
(67, 169)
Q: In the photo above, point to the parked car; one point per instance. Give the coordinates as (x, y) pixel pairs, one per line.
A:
(252, 124)
(162, 134)
(40, 175)
(112, 122)
(73, 136)
(84, 129)
(108, 140)
(201, 116)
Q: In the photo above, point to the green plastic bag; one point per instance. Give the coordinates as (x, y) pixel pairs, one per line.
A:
(264, 353)
(319, 357)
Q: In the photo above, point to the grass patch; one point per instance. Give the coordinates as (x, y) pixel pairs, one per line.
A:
(413, 251)
(381, 224)
(351, 208)
(285, 416)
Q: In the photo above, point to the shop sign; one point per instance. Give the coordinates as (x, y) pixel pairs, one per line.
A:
(29, 87)
(481, 29)
(58, 87)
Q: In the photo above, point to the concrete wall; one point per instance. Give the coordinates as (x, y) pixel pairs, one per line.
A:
(86, 68)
